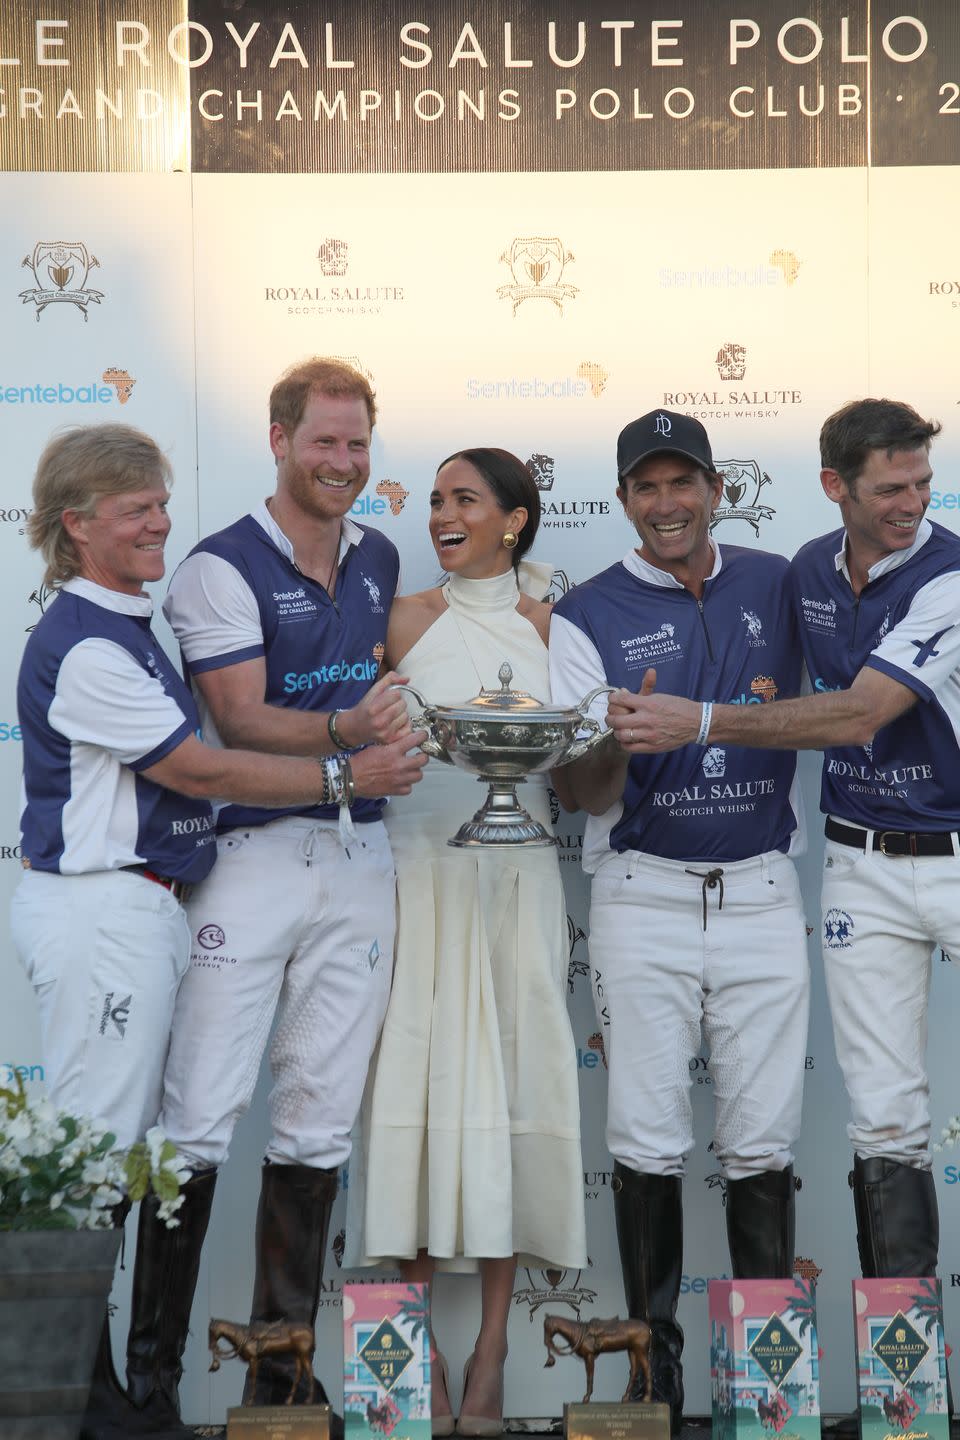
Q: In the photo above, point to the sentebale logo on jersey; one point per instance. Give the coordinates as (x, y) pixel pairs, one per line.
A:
(330, 675)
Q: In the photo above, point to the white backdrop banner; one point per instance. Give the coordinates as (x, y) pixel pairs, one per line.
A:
(755, 271)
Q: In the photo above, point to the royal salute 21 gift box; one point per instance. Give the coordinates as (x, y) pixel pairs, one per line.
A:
(764, 1364)
(901, 1361)
(386, 1362)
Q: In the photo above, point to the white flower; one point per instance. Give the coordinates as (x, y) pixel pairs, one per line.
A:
(56, 1200)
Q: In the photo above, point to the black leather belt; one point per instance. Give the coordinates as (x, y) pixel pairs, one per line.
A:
(892, 842)
(179, 889)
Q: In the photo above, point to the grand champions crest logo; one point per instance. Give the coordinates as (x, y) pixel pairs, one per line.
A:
(60, 269)
(553, 1286)
(743, 480)
(537, 263)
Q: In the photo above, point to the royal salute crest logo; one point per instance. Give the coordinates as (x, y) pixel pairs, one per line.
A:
(807, 1269)
(776, 1350)
(731, 361)
(60, 269)
(334, 256)
(537, 263)
(714, 762)
(900, 1348)
(122, 381)
(787, 263)
(541, 467)
(743, 480)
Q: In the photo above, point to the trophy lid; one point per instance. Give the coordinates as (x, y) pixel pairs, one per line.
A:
(514, 701)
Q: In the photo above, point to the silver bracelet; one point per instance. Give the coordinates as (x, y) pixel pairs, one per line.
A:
(333, 732)
(706, 715)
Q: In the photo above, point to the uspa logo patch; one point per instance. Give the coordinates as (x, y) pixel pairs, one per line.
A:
(537, 263)
(60, 269)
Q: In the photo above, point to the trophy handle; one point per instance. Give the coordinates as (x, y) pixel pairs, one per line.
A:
(425, 721)
(595, 735)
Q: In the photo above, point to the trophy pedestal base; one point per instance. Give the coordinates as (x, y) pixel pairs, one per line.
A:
(501, 820)
(278, 1422)
(605, 1421)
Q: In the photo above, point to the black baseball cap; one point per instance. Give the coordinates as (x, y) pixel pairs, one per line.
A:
(662, 431)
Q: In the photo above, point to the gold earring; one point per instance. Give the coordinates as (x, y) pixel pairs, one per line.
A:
(510, 540)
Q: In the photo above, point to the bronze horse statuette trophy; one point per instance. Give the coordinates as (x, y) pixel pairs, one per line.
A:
(251, 1342)
(590, 1338)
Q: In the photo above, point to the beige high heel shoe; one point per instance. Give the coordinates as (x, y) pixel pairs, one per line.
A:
(442, 1424)
(480, 1426)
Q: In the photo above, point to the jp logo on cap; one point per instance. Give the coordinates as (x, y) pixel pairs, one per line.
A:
(662, 431)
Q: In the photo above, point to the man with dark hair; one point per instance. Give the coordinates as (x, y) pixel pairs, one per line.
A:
(695, 917)
(878, 603)
(281, 619)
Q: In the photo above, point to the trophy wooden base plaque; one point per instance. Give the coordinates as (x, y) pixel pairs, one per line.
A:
(278, 1422)
(615, 1421)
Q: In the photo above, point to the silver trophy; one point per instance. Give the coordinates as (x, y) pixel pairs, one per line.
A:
(502, 737)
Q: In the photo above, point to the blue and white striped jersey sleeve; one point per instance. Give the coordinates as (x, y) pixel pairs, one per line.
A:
(923, 650)
(213, 612)
(104, 698)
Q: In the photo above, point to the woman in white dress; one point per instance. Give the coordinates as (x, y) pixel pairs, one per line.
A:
(472, 1133)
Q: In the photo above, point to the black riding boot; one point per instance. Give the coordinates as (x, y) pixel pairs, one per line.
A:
(898, 1225)
(761, 1225)
(649, 1216)
(292, 1223)
(164, 1283)
(110, 1413)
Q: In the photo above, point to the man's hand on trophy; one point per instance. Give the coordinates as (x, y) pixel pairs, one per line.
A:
(645, 724)
(380, 717)
(391, 769)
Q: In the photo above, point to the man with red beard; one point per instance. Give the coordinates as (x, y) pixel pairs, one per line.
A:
(281, 619)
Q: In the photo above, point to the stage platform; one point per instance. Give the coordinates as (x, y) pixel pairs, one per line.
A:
(695, 1427)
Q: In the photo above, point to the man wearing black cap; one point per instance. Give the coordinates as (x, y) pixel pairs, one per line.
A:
(695, 922)
(878, 602)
